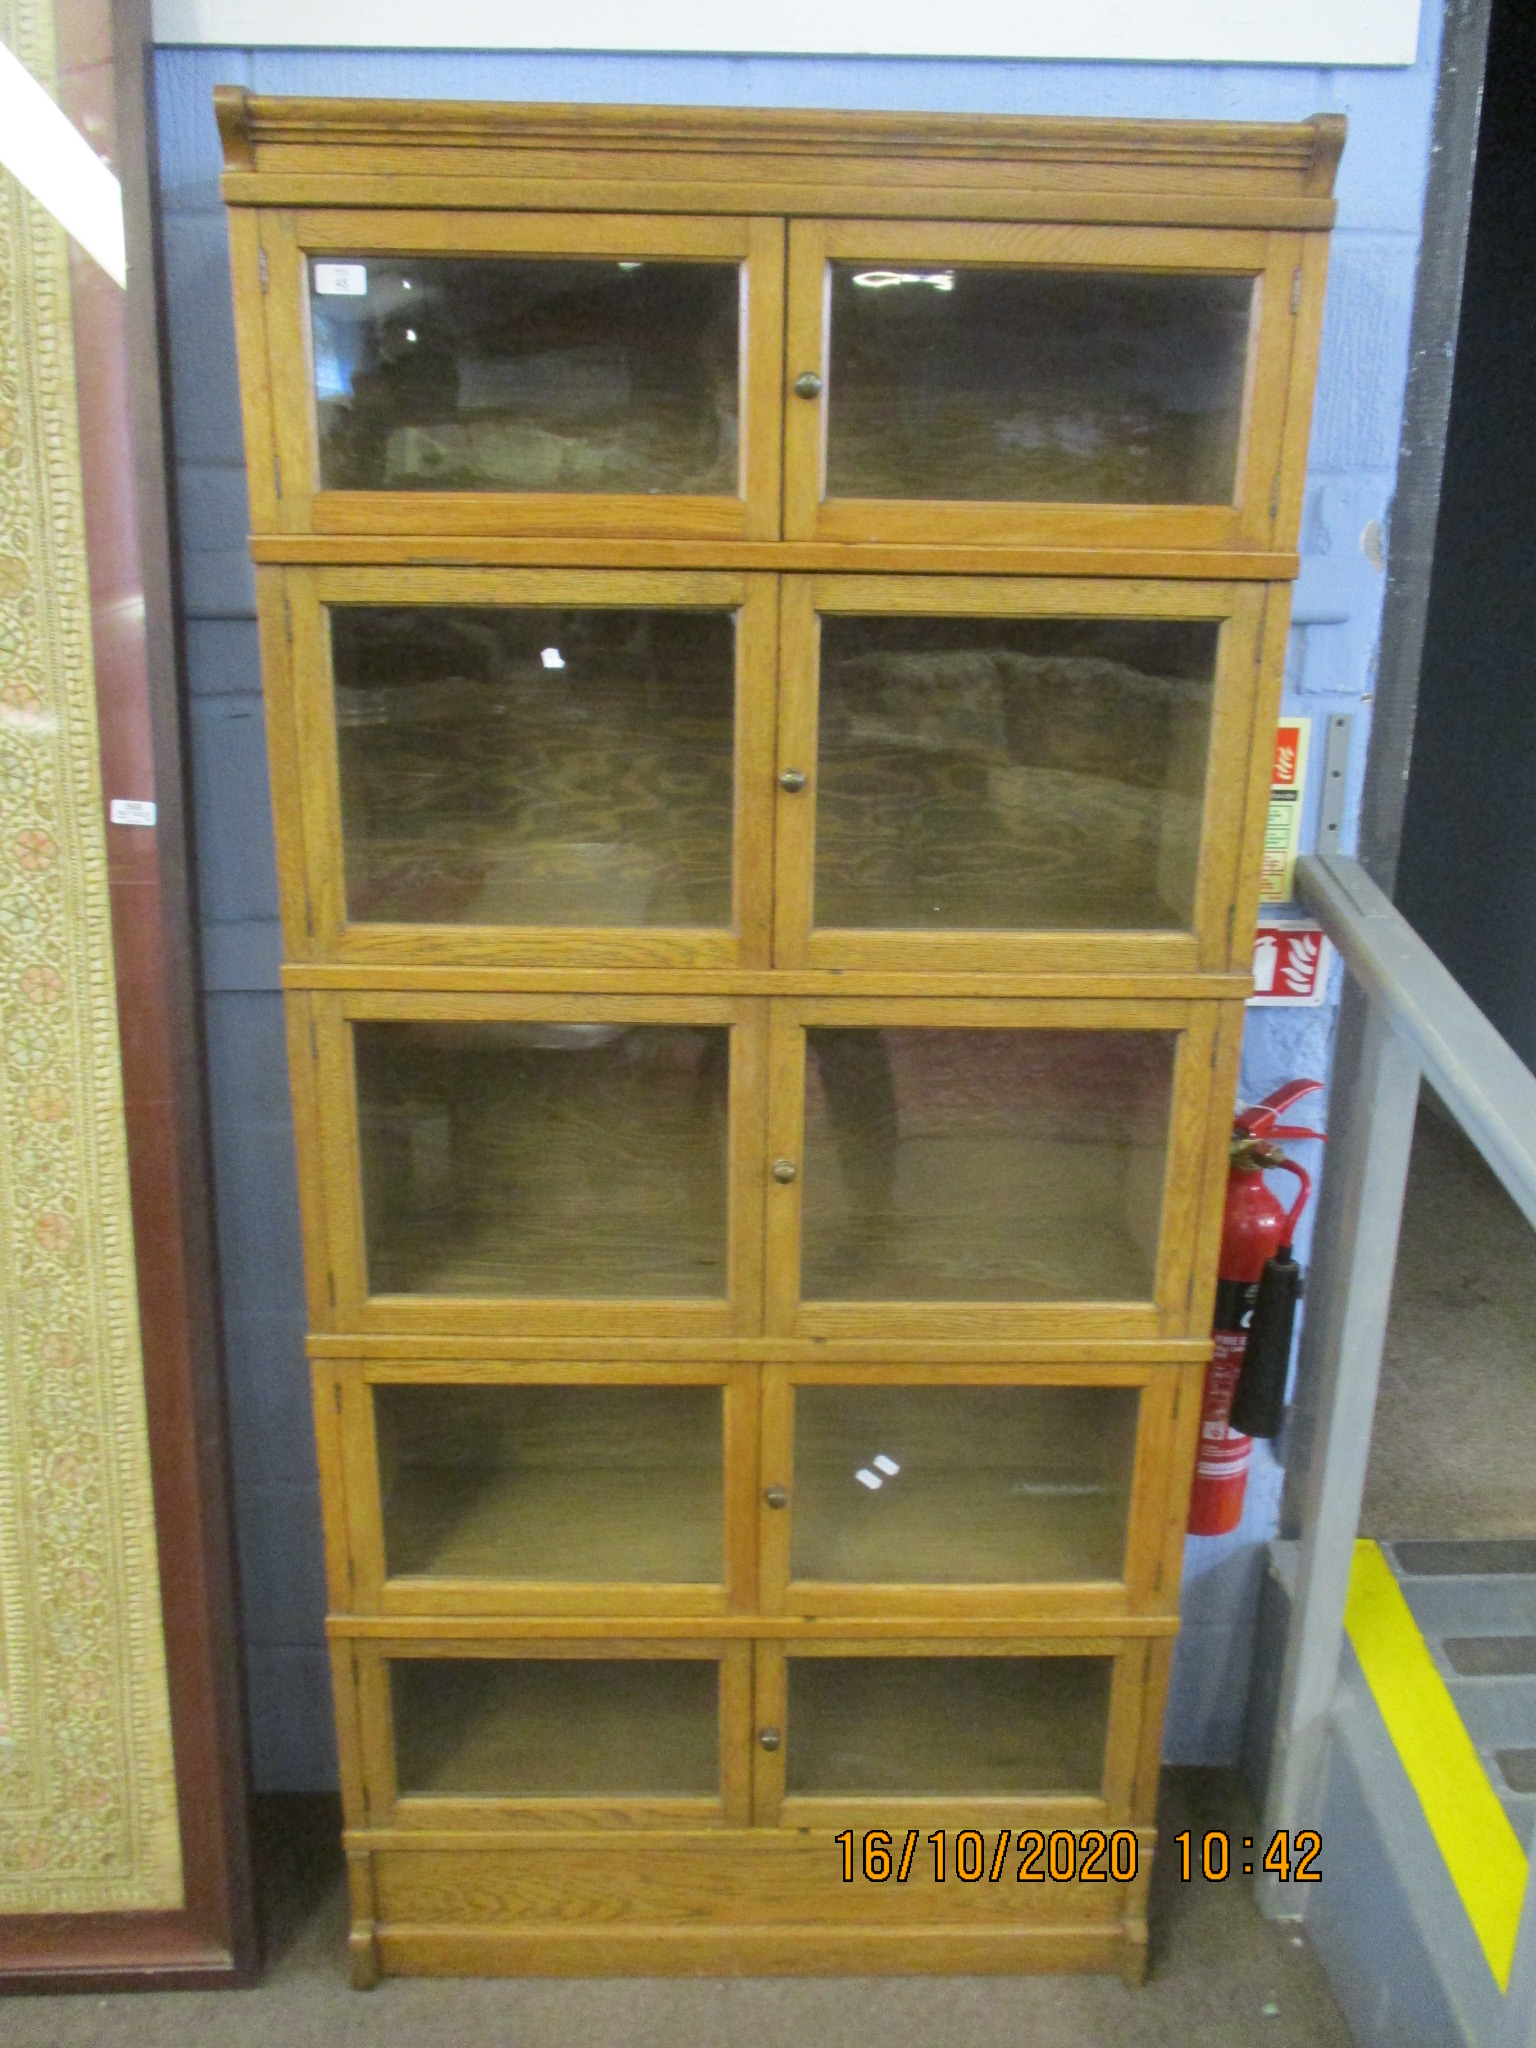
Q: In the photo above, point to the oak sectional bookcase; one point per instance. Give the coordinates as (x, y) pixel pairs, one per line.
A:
(772, 629)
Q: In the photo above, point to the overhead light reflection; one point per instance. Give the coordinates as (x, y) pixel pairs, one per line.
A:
(552, 657)
(882, 280)
(870, 1479)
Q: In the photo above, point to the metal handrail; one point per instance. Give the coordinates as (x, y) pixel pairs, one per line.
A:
(1418, 1024)
(1480, 1077)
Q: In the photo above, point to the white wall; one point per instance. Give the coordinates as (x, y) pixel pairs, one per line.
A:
(1320, 32)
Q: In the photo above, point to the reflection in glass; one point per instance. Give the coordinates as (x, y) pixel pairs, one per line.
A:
(953, 1165)
(961, 1485)
(1005, 774)
(491, 373)
(947, 1727)
(551, 1482)
(521, 766)
(556, 1728)
(1093, 386)
(574, 1160)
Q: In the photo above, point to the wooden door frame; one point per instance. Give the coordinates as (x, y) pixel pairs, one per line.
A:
(210, 1940)
(297, 662)
(1243, 704)
(1279, 342)
(346, 1416)
(286, 239)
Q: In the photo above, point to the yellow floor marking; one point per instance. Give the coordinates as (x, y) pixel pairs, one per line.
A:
(1470, 1827)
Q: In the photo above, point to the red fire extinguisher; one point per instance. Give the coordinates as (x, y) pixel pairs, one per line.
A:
(1257, 1288)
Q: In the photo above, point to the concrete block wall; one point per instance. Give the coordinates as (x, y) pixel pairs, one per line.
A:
(1345, 530)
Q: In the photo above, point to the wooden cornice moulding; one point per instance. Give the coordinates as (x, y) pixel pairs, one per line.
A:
(293, 151)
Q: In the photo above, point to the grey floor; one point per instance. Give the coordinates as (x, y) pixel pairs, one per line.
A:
(1454, 1448)
(1221, 1977)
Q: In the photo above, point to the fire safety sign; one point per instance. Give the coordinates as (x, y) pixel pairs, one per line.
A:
(1282, 832)
(1290, 964)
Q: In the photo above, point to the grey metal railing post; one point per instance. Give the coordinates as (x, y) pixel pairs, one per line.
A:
(1351, 1292)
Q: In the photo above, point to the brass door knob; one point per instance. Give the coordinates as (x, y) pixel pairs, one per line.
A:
(769, 1737)
(807, 385)
(776, 1496)
(792, 780)
(784, 1171)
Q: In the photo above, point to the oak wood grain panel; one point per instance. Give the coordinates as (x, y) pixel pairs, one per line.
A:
(712, 1880)
(709, 159)
(1088, 985)
(464, 1631)
(436, 1355)
(274, 615)
(512, 550)
(246, 261)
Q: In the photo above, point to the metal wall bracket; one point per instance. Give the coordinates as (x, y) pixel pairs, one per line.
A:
(1330, 809)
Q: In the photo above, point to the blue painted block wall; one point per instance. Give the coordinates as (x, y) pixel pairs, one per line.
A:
(1331, 668)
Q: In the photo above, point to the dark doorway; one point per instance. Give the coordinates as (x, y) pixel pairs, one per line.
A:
(1467, 878)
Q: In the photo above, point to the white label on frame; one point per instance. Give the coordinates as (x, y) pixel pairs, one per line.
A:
(131, 810)
(341, 280)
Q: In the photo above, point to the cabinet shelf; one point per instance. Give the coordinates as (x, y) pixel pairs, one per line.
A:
(549, 1483)
(545, 1728)
(946, 1727)
(444, 1523)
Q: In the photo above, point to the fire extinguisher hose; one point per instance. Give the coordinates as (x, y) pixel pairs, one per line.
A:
(1258, 1403)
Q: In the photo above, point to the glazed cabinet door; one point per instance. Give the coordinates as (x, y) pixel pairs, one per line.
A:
(509, 767)
(963, 1170)
(978, 774)
(510, 1488)
(573, 1165)
(1082, 385)
(950, 1490)
(584, 1732)
(598, 374)
(913, 1733)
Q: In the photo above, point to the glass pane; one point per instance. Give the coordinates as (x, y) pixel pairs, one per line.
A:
(983, 1165)
(947, 1727)
(492, 373)
(1099, 386)
(1011, 773)
(583, 1160)
(556, 1728)
(541, 1482)
(946, 1485)
(535, 767)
